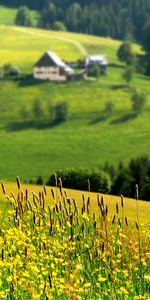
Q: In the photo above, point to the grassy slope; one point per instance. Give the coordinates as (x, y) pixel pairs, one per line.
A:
(130, 205)
(7, 15)
(85, 140)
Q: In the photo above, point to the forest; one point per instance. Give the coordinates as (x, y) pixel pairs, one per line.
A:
(117, 19)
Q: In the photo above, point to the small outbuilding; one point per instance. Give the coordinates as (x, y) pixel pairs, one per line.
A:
(100, 60)
(14, 71)
(51, 67)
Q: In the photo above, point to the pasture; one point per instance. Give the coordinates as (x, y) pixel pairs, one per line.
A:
(88, 138)
(7, 15)
(57, 243)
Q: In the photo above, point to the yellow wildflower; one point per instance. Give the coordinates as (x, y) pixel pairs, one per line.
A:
(87, 284)
(147, 277)
(2, 295)
(9, 278)
(101, 279)
(124, 291)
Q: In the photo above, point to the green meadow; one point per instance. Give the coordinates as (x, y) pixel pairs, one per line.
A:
(130, 205)
(58, 243)
(55, 247)
(88, 138)
(7, 15)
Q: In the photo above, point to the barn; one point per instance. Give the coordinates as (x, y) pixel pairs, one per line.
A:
(100, 60)
(51, 67)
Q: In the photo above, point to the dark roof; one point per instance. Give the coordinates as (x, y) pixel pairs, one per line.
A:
(50, 59)
(46, 61)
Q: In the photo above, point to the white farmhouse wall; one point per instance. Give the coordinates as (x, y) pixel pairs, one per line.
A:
(48, 73)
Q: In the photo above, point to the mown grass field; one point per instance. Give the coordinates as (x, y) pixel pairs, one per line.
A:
(87, 138)
(7, 15)
(54, 246)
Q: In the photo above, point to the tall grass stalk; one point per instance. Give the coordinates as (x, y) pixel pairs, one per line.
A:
(54, 250)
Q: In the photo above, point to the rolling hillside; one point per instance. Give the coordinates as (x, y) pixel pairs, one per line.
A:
(129, 210)
(87, 138)
(7, 15)
(59, 243)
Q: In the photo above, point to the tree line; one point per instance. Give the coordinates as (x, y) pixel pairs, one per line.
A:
(120, 180)
(117, 19)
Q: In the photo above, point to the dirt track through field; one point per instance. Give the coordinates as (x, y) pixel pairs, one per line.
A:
(67, 40)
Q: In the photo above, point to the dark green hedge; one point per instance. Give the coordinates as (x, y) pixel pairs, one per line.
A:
(96, 181)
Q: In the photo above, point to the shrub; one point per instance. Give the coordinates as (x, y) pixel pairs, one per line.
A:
(24, 112)
(128, 74)
(37, 109)
(94, 71)
(59, 26)
(14, 71)
(23, 17)
(6, 69)
(125, 53)
(138, 102)
(109, 108)
(39, 180)
(60, 112)
(145, 192)
(78, 179)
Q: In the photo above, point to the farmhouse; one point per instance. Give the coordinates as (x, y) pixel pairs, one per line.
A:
(100, 60)
(51, 67)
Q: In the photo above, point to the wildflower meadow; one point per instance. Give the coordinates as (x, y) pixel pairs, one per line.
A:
(56, 250)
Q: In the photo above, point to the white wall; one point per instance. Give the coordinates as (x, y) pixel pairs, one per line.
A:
(48, 73)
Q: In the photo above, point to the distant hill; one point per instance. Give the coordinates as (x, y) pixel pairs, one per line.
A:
(118, 19)
(88, 138)
(8, 15)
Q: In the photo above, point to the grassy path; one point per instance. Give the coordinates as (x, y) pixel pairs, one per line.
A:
(67, 40)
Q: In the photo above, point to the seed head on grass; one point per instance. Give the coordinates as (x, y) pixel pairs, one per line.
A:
(18, 182)
(122, 201)
(3, 188)
(51, 243)
(117, 208)
(113, 220)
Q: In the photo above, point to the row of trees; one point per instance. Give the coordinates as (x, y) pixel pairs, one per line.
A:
(117, 19)
(96, 180)
(125, 178)
(53, 112)
(138, 102)
(107, 179)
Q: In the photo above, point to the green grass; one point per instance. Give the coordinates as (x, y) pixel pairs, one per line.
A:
(86, 139)
(130, 205)
(50, 249)
(7, 15)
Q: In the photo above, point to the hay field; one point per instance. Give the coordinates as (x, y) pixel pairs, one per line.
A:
(129, 210)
